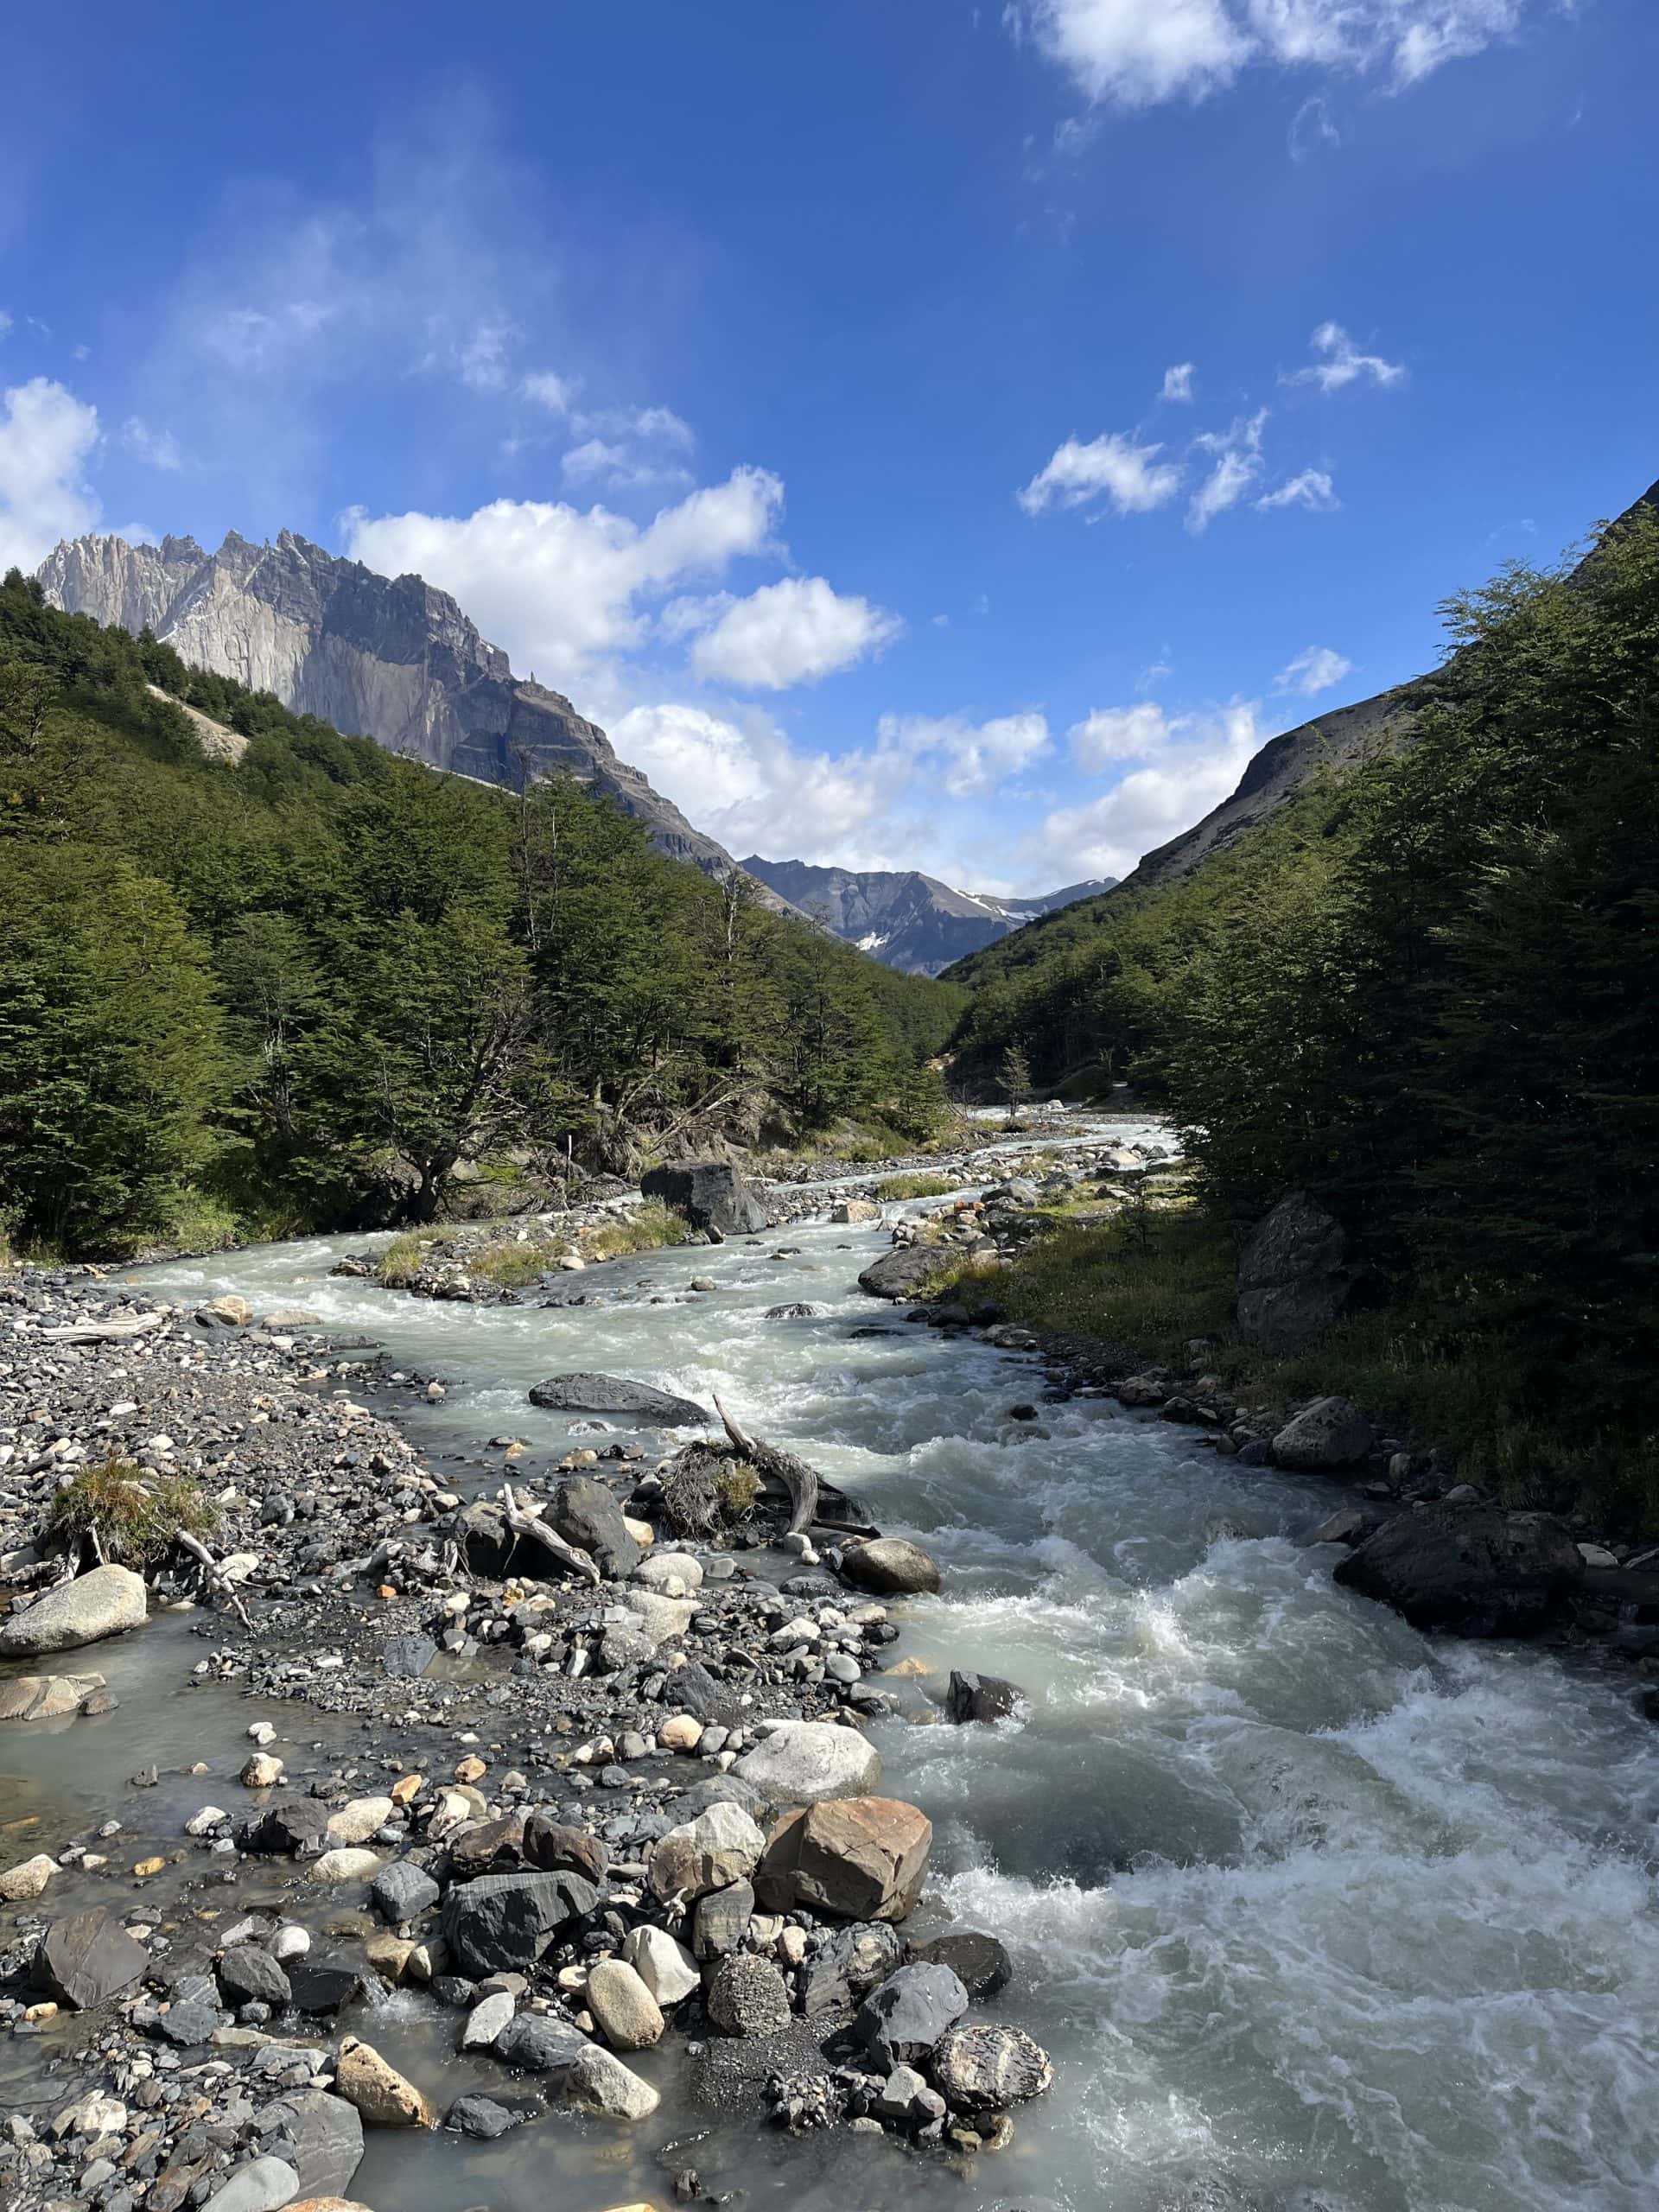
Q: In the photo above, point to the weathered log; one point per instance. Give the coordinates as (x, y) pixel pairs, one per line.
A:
(529, 1525)
(216, 1575)
(103, 1332)
(782, 1469)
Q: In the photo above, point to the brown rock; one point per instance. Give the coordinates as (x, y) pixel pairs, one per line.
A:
(858, 1858)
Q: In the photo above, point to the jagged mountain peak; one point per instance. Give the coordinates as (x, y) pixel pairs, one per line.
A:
(394, 659)
(906, 919)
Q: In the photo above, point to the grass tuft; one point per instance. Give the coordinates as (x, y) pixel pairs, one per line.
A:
(138, 1516)
(915, 1186)
(647, 1228)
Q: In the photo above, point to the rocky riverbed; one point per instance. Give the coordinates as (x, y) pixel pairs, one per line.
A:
(588, 1896)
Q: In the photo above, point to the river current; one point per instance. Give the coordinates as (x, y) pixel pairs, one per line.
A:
(1303, 1904)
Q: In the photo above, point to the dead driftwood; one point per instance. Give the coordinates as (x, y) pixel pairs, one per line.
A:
(782, 1469)
(219, 1581)
(112, 1332)
(523, 1522)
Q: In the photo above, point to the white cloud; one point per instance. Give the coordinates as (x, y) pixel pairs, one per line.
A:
(46, 437)
(626, 449)
(560, 588)
(1134, 53)
(1312, 489)
(5, 323)
(1177, 383)
(1237, 469)
(1340, 363)
(1313, 670)
(876, 806)
(794, 631)
(1112, 467)
(547, 389)
(483, 356)
(1117, 733)
(1310, 128)
(155, 448)
(977, 757)
(1189, 763)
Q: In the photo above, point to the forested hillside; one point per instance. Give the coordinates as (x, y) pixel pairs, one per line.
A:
(1428, 992)
(301, 989)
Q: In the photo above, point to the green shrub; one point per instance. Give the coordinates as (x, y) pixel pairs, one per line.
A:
(647, 1228)
(400, 1261)
(916, 1187)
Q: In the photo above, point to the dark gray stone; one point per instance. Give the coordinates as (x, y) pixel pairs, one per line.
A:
(617, 1395)
(536, 2043)
(981, 1697)
(482, 2118)
(87, 1957)
(747, 1996)
(506, 1921)
(986, 2069)
(292, 1825)
(403, 1891)
(324, 2139)
(321, 1986)
(711, 1194)
(1472, 1571)
(979, 1961)
(587, 1515)
(1295, 1277)
(902, 1271)
(720, 1920)
(911, 2011)
(249, 1975)
(408, 1656)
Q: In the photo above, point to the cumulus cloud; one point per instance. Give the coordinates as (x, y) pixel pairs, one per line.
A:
(1313, 489)
(560, 587)
(1340, 363)
(1236, 470)
(1135, 54)
(47, 438)
(155, 448)
(1111, 467)
(974, 758)
(794, 631)
(1177, 383)
(875, 806)
(1187, 763)
(1313, 670)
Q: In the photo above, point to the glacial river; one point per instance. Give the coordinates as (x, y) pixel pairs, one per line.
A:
(1310, 1911)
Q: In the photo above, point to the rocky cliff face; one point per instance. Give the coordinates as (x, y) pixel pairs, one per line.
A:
(907, 920)
(379, 657)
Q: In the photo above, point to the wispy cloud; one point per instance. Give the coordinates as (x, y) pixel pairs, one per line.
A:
(1338, 363)
(1112, 467)
(1316, 669)
(1178, 385)
(1237, 470)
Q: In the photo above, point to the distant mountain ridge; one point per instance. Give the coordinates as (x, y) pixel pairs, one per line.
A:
(386, 657)
(907, 920)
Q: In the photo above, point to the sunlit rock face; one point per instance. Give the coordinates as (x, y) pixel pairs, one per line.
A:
(386, 657)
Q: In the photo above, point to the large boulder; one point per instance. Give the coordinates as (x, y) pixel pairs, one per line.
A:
(1295, 1277)
(616, 1394)
(88, 1957)
(1329, 1435)
(804, 1762)
(1471, 1570)
(720, 1846)
(910, 2014)
(503, 1923)
(710, 1194)
(980, 1963)
(988, 2069)
(855, 1858)
(902, 1271)
(45, 1697)
(92, 1606)
(587, 1515)
(892, 1565)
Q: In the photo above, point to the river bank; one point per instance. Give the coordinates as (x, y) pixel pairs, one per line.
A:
(1209, 1720)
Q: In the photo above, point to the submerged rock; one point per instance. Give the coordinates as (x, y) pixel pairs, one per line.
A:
(981, 1697)
(45, 1697)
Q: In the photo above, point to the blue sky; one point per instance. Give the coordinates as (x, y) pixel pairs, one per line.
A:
(925, 434)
